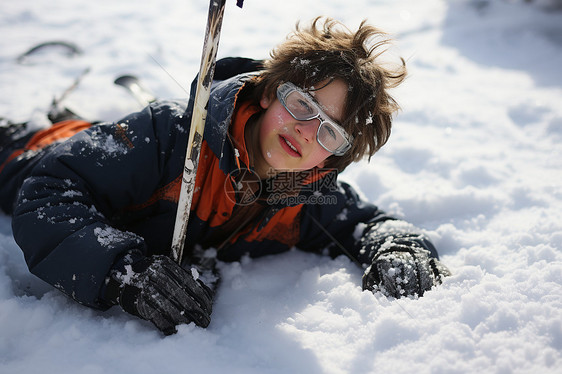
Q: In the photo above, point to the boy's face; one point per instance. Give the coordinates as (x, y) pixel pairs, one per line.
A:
(286, 144)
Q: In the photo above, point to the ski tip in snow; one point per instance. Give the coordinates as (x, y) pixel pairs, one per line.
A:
(135, 88)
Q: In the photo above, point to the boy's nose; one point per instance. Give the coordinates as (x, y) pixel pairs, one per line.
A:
(307, 129)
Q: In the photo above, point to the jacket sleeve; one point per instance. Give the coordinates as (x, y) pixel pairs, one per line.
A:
(344, 224)
(62, 216)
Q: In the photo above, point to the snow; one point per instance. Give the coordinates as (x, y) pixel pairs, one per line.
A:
(474, 159)
(108, 236)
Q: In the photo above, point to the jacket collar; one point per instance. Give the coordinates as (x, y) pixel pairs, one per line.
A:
(222, 102)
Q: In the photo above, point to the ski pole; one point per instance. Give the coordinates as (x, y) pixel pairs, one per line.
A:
(199, 115)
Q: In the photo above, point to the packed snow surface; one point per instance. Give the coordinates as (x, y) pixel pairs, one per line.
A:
(474, 159)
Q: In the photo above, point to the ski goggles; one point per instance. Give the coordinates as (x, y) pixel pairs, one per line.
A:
(302, 107)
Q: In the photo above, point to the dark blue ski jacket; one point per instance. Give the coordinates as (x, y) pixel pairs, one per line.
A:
(111, 190)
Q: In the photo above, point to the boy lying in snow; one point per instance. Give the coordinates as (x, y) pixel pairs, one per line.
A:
(94, 205)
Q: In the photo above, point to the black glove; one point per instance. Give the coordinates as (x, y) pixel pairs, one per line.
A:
(159, 290)
(404, 270)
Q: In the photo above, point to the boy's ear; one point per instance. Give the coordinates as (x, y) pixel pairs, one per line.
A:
(265, 101)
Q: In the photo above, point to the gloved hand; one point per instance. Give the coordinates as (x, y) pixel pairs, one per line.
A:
(403, 270)
(159, 290)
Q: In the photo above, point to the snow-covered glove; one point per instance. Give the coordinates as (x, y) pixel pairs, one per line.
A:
(403, 270)
(159, 290)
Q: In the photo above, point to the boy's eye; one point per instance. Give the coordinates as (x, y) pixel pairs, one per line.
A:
(331, 132)
(305, 106)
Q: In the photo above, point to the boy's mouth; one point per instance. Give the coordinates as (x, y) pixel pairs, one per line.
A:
(289, 147)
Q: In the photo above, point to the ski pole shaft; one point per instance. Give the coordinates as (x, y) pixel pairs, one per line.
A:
(199, 115)
(71, 88)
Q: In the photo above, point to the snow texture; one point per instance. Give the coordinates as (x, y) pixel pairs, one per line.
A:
(474, 159)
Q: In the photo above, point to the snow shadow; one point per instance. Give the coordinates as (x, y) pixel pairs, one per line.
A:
(517, 35)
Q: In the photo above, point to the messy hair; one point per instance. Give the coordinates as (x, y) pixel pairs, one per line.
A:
(327, 50)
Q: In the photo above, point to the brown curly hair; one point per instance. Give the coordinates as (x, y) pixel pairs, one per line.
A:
(326, 49)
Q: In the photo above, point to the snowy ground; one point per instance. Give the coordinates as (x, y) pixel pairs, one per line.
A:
(475, 159)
